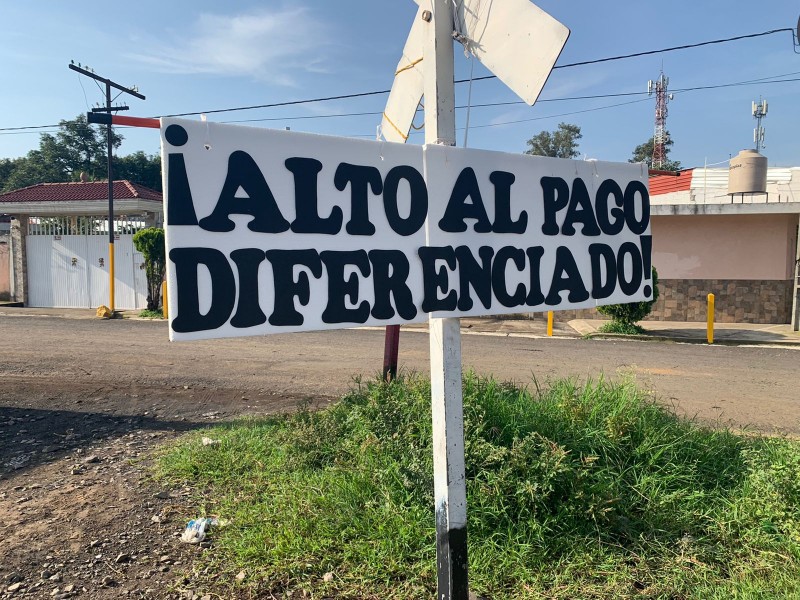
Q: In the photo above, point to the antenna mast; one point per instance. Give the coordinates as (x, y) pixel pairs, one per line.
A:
(759, 112)
(659, 87)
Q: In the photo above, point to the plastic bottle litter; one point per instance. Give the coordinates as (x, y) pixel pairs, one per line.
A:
(195, 531)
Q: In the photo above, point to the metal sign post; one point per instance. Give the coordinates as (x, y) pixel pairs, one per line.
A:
(449, 481)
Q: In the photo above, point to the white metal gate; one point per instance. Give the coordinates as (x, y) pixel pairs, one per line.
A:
(68, 263)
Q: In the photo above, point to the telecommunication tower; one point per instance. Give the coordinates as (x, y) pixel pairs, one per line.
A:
(759, 112)
(659, 87)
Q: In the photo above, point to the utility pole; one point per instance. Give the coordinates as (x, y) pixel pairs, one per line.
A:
(109, 137)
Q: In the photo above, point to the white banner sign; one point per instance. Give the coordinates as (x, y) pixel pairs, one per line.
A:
(274, 231)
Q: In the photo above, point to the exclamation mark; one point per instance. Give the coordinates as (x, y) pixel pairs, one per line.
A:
(180, 207)
(647, 260)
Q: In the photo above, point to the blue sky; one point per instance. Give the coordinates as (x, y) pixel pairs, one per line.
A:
(202, 55)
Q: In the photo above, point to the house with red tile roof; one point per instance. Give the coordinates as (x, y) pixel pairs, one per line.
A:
(59, 254)
(742, 247)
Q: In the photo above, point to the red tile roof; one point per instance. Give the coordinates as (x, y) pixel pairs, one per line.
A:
(665, 184)
(79, 191)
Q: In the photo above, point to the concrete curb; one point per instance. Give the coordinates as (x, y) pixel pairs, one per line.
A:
(465, 331)
(120, 316)
(598, 335)
(581, 329)
(134, 316)
(689, 340)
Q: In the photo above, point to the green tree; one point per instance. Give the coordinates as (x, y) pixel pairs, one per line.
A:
(561, 143)
(139, 168)
(7, 166)
(77, 147)
(30, 170)
(150, 242)
(643, 153)
(625, 316)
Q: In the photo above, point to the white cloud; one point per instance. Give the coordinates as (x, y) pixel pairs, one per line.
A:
(567, 84)
(263, 44)
(510, 115)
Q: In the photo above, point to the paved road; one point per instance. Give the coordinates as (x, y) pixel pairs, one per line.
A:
(54, 360)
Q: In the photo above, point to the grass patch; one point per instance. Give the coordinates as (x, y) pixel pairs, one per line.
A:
(151, 314)
(574, 492)
(620, 327)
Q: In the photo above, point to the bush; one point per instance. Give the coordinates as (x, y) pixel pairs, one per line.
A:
(150, 242)
(625, 315)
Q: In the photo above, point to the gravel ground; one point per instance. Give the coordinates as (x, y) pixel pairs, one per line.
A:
(84, 403)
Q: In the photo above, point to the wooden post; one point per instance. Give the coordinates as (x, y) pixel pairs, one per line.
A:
(449, 480)
(391, 347)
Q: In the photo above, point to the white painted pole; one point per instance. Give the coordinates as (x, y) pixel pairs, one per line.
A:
(449, 480)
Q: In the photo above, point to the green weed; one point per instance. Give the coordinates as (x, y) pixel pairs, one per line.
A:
(576, 491)
(621, 327)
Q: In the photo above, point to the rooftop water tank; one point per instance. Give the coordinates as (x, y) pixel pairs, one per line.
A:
(747, 173)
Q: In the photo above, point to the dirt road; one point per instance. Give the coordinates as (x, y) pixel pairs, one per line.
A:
(82, 401)
(132, 361)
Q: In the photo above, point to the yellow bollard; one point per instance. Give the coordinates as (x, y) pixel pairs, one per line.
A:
(710, 334)
(164, 310)
(550, 323)
(111, 276)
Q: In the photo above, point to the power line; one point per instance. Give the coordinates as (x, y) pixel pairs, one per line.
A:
(29, 127)
(762, 81)
(24, 132)
(542, 118)
(278, 104)
(621, 104)
(737, 84)
(765, 80)
(651, 52)
(576, 64)
(569, 65)
(674, 48)
(305, 117)
(566, 114)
